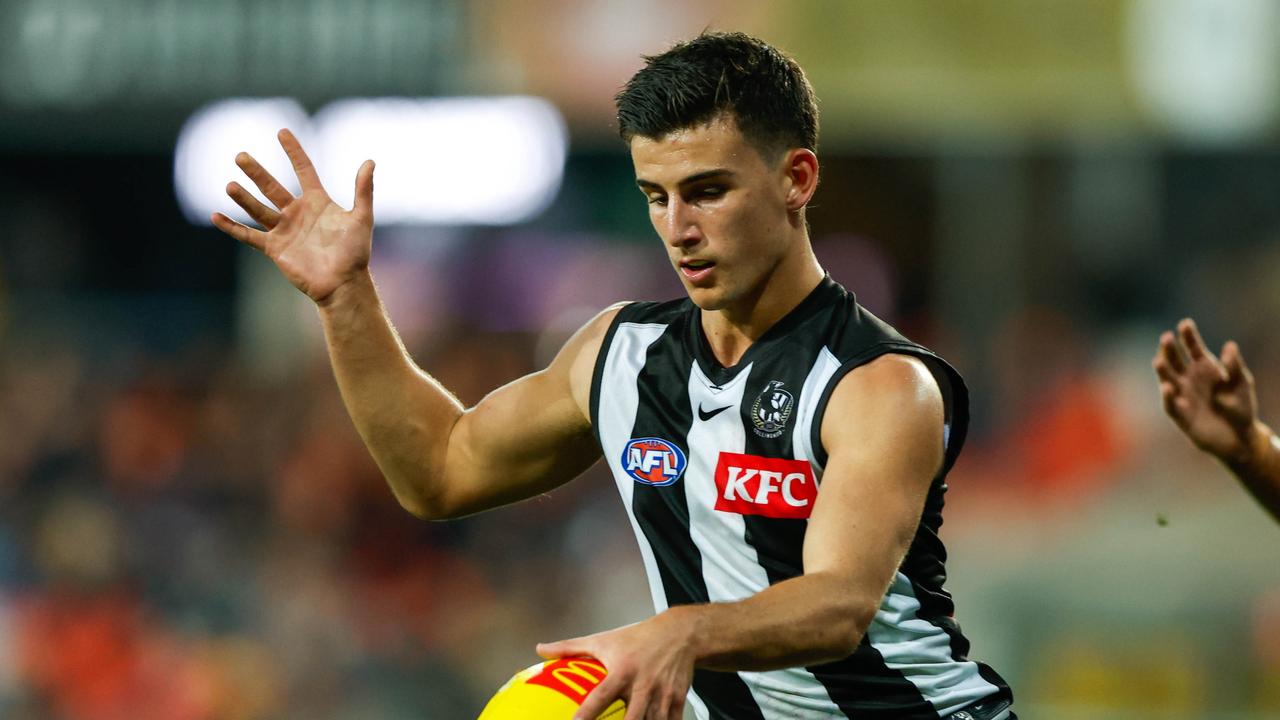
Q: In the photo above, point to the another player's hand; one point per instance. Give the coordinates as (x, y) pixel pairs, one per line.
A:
(1212, 400)
(650, 667)
(316, 244)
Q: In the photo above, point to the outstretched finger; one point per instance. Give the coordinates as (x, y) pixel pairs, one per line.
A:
(1233, 362)
(1162, 369)
(270, 187)
(364, 190)
(1171, 354)
(1191, 340)
(265, 216)
(301, 162)
(1168, 397)
(255, 239)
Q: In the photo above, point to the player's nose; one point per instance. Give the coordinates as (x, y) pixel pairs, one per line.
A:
(681, 229)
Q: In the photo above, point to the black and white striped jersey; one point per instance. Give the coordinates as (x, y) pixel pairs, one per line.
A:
(718, 469)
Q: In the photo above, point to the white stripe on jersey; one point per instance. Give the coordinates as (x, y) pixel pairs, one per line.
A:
(699, 708)
(921, 651)
(617, 415)
(731, 568)
(802, 439)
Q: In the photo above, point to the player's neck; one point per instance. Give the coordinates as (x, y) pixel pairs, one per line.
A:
(731, 330)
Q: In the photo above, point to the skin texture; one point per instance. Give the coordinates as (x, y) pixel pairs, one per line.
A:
(712, 196)
(1214, 402)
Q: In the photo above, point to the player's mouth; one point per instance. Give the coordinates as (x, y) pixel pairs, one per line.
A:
(696, 270)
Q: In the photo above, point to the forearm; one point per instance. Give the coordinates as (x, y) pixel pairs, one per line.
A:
(1259, 468)
(403, 415)
(806, 620)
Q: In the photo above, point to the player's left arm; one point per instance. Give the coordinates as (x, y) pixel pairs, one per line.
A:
(883, 431)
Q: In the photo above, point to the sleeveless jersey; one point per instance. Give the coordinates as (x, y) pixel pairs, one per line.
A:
(718, 469)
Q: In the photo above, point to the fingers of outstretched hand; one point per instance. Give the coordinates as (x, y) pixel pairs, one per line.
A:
(301, 162)
(1233, 363)
(1163, 371)
(1189, 334)
(255, 239)
(1171, 354)
(364, 190)
(1169, 397)
(265, 216)
(270, 187)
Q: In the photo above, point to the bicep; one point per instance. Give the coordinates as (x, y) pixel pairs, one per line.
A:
(528, 436)
(883, 431)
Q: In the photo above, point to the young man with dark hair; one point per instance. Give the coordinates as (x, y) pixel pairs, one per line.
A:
(720, 415)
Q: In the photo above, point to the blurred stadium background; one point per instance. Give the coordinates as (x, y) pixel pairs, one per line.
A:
(190, 528)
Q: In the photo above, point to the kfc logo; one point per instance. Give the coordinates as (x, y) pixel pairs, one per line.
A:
(772, 487)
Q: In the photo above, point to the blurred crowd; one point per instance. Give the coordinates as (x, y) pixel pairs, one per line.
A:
(192, 529)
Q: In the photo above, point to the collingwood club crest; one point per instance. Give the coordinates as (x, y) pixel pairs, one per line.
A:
(771, 410)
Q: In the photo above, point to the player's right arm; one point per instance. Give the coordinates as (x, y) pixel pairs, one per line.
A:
(441, 459)
(1214, 402)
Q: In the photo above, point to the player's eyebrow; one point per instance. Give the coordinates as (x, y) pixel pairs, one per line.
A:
(696, 177)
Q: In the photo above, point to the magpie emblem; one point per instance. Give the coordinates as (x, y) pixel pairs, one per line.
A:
(772, 409)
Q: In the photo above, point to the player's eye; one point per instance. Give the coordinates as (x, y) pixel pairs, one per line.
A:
(707, 192)
(657, 200)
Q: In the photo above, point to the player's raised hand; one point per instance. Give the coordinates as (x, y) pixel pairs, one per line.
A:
(1212, 400)
(317, 244)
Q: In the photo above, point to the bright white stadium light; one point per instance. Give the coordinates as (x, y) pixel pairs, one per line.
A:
(1207, 68)
(489, 161)
(204, 159)
(458, 161)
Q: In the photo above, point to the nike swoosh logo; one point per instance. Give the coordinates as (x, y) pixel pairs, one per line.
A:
(704, 416)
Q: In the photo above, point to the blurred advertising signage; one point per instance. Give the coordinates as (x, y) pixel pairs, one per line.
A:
(77, 54)
(440, 161)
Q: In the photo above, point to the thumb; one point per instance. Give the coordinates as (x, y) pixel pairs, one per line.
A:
(565, 648)
(364, 190)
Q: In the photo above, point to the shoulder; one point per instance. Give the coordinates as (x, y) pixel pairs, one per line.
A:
(584, 345)
(892, 393)
(576, 361)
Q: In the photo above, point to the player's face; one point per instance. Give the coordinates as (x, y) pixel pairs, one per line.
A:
(720, 207)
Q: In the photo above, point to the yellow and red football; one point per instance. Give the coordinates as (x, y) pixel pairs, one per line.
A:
(551, 690)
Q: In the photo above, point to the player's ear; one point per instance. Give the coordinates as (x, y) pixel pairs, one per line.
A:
(801, 168)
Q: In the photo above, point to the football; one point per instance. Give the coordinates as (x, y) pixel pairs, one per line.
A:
(551, 690)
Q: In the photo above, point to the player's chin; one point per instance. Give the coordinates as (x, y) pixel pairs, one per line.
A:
(707, 298)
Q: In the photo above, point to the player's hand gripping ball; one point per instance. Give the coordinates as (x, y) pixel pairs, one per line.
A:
(551, 690)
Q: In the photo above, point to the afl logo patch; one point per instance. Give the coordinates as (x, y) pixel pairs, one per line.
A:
(653, 461)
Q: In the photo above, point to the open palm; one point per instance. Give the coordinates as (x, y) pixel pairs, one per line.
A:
(316, 243)
(1212, 400)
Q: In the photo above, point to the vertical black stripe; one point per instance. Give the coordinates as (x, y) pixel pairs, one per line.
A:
(663, 513)
(861, 685)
